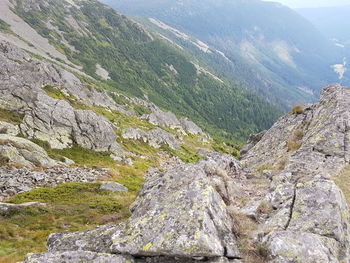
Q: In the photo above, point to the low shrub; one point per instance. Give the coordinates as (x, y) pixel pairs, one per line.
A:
(298, 109)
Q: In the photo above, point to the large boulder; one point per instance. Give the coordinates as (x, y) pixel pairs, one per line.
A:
(77, 256)
(166, 119)
(46, 118)
(20, 151)
(156, 137)
(179, 216)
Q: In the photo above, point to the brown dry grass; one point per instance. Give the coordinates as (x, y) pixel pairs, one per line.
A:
(244, 227)
(298, 109)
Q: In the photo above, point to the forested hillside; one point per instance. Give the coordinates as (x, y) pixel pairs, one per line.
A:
(97, 38)
(269, 48)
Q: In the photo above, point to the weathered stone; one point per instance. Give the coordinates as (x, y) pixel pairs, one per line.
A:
(252, 141)
(113, 187)
(181, 215)
(77, 256)
(23, 152)
(301, 247)
(313, 142)
(8, 128)
(191, 127)
(13, 180)
(156, 137)
(95, 132)
(166, 119)
(98, 239)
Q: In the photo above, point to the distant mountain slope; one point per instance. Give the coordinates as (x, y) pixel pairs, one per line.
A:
(272, 49)
(334, 23)
(119, 54)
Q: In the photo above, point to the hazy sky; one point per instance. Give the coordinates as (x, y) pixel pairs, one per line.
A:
(312, 3)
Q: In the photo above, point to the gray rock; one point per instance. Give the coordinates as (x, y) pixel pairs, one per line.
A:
(166, 119)
(113, 187)
(181, 215)
(23, 152)
(77, 256)
(178, 216)
(98, 239)
(156, 137)
(191, 127)
(8, 128)
(300, 247)
(95, 132)
(48, 119)
(13, 180)
(318, 138)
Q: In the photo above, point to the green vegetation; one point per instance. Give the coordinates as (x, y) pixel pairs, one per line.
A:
(11, 117)
(253, 35)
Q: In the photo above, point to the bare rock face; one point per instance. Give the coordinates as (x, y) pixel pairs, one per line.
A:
(312, 142)
(48, 119)
(156, 137)
(18, 180)
(77, 256)
(20, 151)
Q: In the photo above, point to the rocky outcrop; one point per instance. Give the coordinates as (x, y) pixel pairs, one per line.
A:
(168, 119)
(309, 220)
(178, 216)
(22, 152)
(156, 137)
(314, 141)
(15, 180)
(113, 187)
(8, 128)
(48, 119)
(196, 212)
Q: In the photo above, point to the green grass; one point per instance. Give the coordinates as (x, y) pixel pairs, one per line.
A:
(11, 117)
(71, 207)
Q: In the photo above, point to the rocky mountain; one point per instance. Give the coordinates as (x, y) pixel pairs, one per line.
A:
(264, 46)
(281, 206)
(106, 49)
